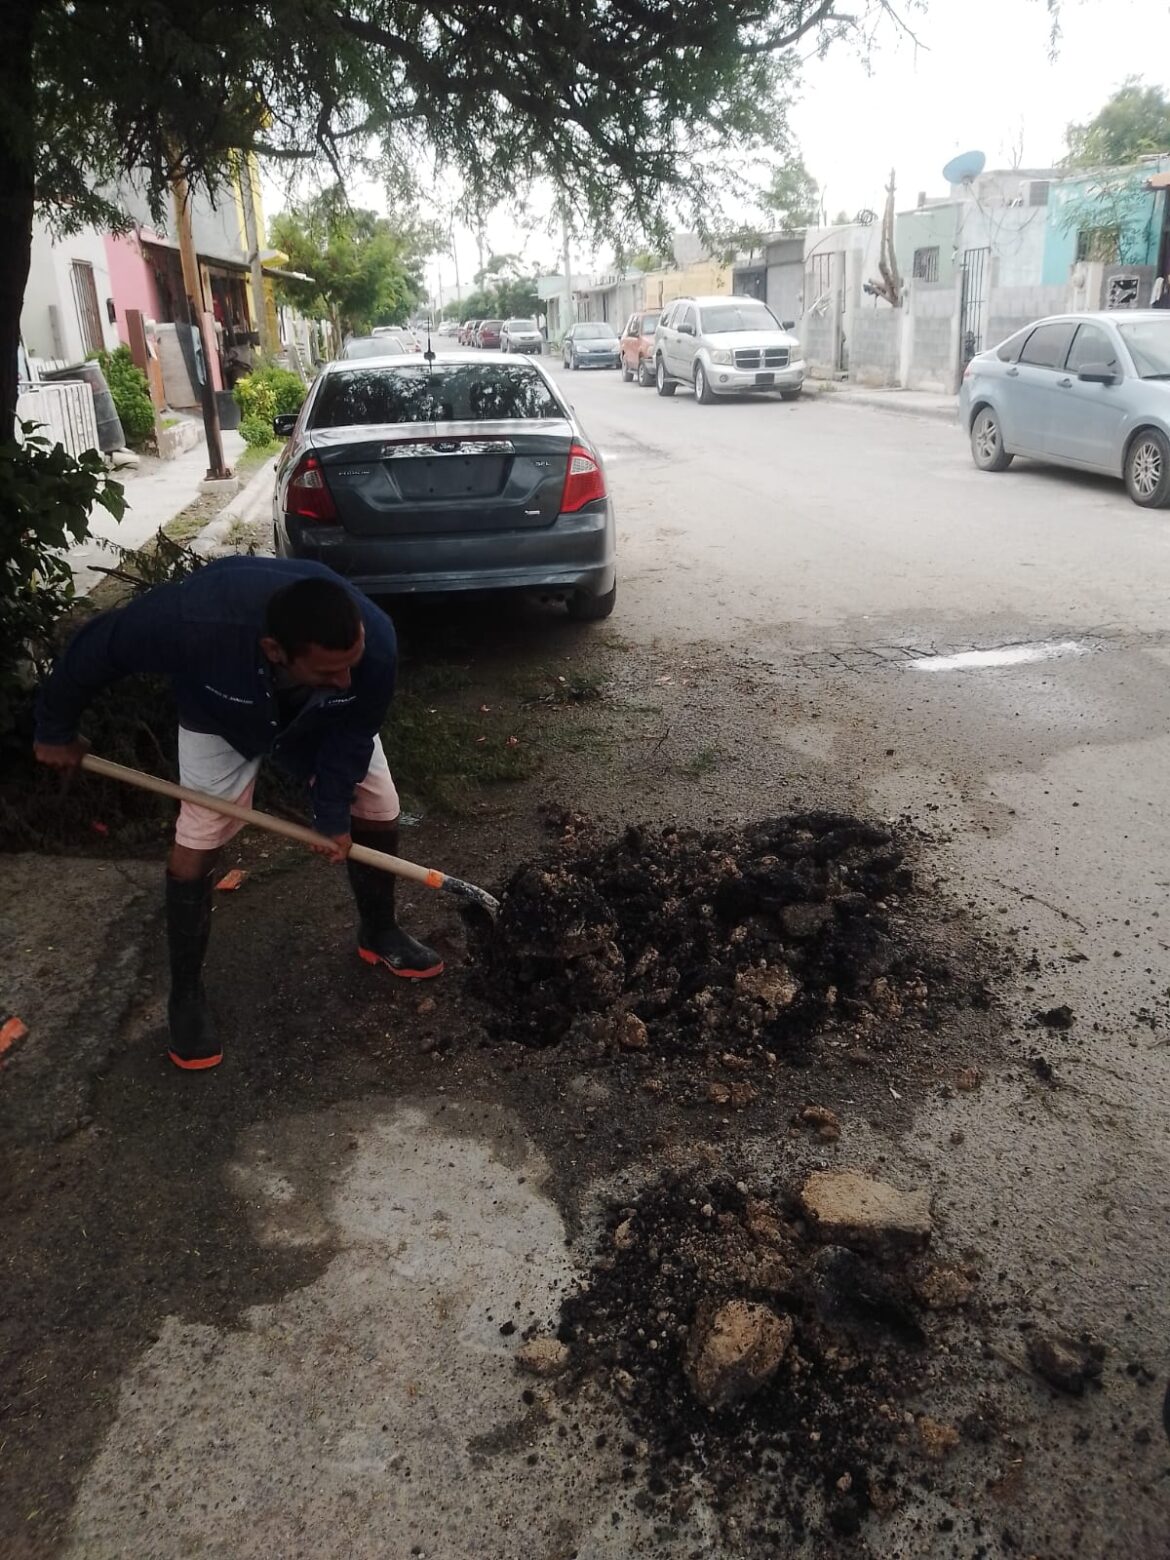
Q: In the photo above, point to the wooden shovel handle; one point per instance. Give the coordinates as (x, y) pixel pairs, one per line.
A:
(260, 820)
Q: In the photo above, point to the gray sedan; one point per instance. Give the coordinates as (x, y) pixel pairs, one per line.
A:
(1090, 391)
(464, 473)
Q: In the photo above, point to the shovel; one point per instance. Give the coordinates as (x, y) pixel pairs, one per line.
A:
(468, 894)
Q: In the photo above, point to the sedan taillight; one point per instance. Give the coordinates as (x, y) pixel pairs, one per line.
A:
(307, 495)
(584, 480)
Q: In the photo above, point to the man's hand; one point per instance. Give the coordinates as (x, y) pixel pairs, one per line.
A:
(337, 850)
(62, 755)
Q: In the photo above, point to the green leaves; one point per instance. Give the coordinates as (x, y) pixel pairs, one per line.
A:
(1133, 122)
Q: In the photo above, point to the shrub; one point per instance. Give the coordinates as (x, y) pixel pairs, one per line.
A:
(265, 392)
(131, 393)
(46, 497)
(256, 432)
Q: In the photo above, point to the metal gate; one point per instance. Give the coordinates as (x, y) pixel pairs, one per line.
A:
(86, 300)
(973, 319)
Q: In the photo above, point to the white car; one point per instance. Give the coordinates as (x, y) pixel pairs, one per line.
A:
(725, 346)
(402, 333)
(521, 336)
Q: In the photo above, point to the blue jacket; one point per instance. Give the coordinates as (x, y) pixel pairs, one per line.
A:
(204, 634)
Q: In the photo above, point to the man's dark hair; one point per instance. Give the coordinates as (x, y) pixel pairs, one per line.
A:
(313, 612)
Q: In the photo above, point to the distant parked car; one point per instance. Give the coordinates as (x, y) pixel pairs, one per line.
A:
(467, 333)
(725, 346)
(636, 348)
(468, 473)
(403, 333)
(488, 334)
(448, 328)
(373, 347)
(591, 344)
(521, 336)
(1090, 391)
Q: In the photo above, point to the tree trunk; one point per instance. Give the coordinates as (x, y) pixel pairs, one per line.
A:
(17, 191)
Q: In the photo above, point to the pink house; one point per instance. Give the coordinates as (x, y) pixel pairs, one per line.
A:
(132, 280)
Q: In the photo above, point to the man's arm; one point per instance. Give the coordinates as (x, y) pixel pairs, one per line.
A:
(344, 756)
(143, 636)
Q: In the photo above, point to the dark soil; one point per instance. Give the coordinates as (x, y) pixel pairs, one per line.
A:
(764, 940)
(838, 1434)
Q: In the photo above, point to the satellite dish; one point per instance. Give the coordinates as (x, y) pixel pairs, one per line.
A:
(964, 168)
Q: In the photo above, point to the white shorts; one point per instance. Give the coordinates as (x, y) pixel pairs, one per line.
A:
(208, 763)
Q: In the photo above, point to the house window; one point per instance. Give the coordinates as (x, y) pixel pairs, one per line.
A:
(925, 267)
(1038, 192)
(85, 299)
(1099, 243)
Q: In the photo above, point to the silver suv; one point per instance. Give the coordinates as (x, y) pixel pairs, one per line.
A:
(725, 346)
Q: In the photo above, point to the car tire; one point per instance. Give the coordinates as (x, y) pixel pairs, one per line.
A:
(663, 385)
(1147, 469)
(645, 377)
(573, 363)
(790, 395)
(987, 449)
(584, 607)
(703, 391)
(627, 372)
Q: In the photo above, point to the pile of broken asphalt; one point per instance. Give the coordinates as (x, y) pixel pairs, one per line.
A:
(780, 1347)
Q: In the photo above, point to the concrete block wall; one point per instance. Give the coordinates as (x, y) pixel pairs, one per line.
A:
(875, 345)
(817, 333)
(1011, 308)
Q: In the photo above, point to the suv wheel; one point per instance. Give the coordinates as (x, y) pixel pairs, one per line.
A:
(703, 391)
(627, 371)
(1147, 469)
(645, 377)
(663, 385)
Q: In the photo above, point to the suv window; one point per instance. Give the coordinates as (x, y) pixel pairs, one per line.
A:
(631, 326)
(649, 324)
(459, 392)
(1048, 345)
(735, 315)
(686, 316)
(1091, 345)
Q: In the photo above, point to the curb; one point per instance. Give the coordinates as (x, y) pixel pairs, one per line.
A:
(248, 505)
(890, 401)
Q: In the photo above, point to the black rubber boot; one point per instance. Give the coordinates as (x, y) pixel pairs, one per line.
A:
(380, 939)
(193, 1042)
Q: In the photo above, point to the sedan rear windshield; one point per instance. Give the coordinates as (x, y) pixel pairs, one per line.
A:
(738, 316)
(456, 392)
(594, 332)
(491, 324)
(1149, 346)
(374, 346)
(522, 325)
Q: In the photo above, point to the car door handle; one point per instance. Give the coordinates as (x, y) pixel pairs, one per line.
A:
(1013, 373)
(1064, 383)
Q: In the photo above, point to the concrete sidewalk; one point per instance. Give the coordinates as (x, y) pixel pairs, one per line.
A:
(155, 493)
(912, 403)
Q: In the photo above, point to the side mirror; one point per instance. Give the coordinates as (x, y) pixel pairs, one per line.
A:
(787, 324)
(283, 424)
(1097, 374)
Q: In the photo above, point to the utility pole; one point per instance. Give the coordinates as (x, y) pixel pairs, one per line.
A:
(479, 246)
(455, 258)
(252, 237)
(568, 269)
(217, 469)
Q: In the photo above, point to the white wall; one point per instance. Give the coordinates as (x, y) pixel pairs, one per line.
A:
(50, 293)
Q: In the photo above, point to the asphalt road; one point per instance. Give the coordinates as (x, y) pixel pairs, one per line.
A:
(839, 604)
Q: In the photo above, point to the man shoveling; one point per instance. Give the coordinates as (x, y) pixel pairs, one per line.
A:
(266, 657)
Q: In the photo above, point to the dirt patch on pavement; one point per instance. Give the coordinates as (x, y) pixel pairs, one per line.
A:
(779, 1375)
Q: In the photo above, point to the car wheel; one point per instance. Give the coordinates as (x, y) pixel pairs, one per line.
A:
(587, 608)
(573, 363)
(627, 372)
(790, 395)
(987, 449)
(703, 391)
(645, 377)
(663, 385)
(1147, 469)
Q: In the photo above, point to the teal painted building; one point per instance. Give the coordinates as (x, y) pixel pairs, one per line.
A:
(1109, 215)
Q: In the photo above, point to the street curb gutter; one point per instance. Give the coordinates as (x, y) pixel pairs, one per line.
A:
(892, 401)
(248, 506)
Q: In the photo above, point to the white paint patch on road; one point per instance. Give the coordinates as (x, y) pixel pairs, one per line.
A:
(376, 1412)
(1003, 655)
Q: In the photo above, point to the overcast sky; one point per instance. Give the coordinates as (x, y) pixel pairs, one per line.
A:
(980, 76)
